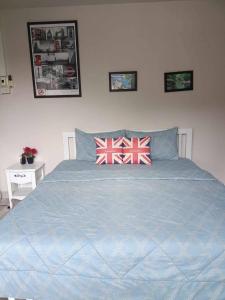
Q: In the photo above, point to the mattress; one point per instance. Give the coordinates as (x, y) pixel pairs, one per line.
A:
(117, 232)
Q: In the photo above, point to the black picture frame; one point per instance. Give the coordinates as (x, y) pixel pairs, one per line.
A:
(123, 81)
(178, 81)
(54, 55)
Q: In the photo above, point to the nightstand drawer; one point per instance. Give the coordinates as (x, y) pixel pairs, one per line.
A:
(20, 177)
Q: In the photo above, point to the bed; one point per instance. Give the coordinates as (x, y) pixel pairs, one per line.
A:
(117, 232)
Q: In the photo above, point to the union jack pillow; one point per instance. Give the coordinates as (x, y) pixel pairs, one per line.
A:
(109, 150)
(137, 150)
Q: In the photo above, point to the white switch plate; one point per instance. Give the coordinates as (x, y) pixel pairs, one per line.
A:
(4, 87)
(3, 81)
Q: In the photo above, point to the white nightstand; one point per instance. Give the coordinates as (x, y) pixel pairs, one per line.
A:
(22, 179)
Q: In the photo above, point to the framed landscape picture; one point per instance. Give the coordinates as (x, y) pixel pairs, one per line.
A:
(178, 81)
(123, 81)
(54, 54)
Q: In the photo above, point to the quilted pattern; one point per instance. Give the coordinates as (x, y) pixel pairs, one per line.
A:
(91, 234)
(13, 299)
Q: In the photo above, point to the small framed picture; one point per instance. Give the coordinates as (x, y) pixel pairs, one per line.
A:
(123, 81)
(178, 81)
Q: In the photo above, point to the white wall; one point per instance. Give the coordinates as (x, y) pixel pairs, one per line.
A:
(151, 38)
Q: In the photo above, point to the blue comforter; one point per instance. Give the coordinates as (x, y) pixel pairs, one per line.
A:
(117, 232)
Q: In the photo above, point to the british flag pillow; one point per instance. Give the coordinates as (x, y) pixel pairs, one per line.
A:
(109, 150)
(136, 150)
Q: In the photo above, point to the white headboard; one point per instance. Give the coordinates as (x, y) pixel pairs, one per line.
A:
(184, 143)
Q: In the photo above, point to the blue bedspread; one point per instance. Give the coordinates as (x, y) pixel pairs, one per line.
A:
(117, 232)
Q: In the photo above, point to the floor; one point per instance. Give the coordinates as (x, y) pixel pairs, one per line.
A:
(3, 211)
(4, 207)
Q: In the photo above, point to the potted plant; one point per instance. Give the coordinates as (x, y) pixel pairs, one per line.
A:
(28, 155)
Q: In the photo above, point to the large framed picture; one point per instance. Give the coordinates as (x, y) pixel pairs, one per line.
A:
(54, 53)
(178, 81)
(123, 81)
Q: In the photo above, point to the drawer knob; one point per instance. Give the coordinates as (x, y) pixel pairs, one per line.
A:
(19, 175)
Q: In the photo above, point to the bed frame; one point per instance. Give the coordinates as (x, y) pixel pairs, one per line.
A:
(184, 138)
